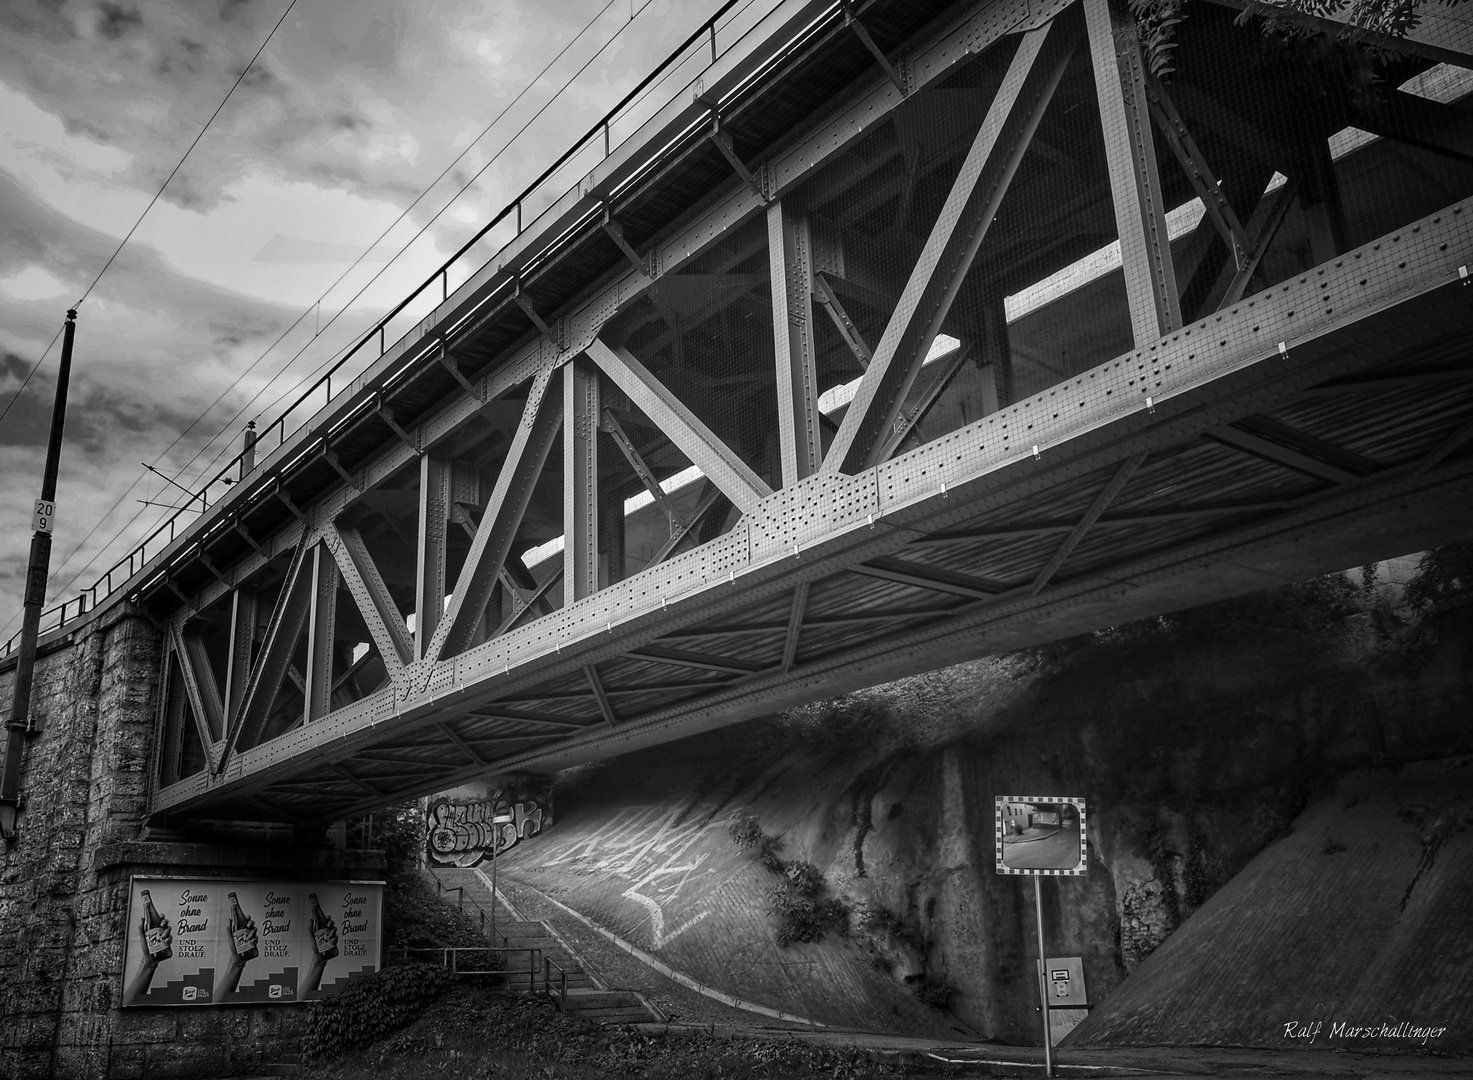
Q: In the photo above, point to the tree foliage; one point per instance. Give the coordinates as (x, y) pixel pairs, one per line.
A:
(1371, 21)
(1444, 579)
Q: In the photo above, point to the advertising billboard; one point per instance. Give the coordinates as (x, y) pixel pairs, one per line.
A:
(216, 941)
(1040, 834)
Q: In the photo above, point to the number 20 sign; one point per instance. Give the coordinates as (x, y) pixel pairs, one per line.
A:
(43, 516)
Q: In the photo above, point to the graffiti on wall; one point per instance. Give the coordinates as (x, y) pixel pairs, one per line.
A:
(467, 825)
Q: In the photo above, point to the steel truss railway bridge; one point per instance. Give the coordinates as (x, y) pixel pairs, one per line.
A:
(909, 333)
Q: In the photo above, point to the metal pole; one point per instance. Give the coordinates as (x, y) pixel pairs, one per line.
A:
(1048, 1050)
(35, 596)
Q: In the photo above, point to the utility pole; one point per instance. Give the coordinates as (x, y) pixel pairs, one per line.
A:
(35, 596)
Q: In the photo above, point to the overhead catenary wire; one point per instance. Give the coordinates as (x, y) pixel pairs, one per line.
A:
(179, 438)
(316, 305)
(159, 194)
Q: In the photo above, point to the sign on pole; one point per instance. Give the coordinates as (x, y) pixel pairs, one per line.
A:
(43, 516)
(1040, 834)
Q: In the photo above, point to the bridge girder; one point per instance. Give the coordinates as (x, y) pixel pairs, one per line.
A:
(865, 540)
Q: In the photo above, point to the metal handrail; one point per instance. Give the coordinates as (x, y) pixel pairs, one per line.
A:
(548, 963)
(442, 888)
(104, 586)
(450, 959)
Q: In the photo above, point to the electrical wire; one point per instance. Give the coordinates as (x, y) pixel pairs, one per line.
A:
(592, 22)
(27, 380)
(159, 194)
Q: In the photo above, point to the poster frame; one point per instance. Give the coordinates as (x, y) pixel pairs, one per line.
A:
(225, 881)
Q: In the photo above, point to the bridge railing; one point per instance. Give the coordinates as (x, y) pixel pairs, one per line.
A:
(712, 41)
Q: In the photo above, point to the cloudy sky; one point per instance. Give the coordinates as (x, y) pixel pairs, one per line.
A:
(352, 111)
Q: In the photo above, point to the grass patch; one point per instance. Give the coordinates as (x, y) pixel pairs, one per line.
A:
(473, 1034)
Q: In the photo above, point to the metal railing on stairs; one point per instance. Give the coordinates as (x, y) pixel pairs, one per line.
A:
(548, 964)
(460, 901)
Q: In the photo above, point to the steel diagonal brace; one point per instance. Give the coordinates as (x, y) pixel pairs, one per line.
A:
(722, 141)
(829, 301)
(541, 420)
(523, 595)
(287, 620)
(960, 228)
(531, 601)
(948, 366)
(200, 690)
(696, 441)
(1274, 210)
(1194, 164)
(852, 22)
(615, 232)
(525, 303)
(683, 530)
(1099, 506)
(643, 471)
(380, 614)
(604, 705)
(795, 625)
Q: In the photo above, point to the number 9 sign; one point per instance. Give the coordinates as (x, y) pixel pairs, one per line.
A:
(43, 517)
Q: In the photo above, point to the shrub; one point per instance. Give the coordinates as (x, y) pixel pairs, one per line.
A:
(371, 1007)
(795, 900)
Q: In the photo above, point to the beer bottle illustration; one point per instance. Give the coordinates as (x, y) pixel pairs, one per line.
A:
(245, 945)
(324, 932)
(156, 937)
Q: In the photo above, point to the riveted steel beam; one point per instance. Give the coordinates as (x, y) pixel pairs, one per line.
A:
(695, 440)
(380, 614)
(1101, 503)
(1135, 181)
(243, 607)
(790, 265)
(795, 625)
(969, 209)
(580, 479)
(541, 418)
(429, 572)
(200, 690)
(321, 633)
(270, 668)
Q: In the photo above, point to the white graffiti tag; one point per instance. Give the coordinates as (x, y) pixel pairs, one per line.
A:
(647, 846)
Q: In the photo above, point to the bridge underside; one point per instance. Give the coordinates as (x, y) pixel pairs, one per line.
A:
(873, 368)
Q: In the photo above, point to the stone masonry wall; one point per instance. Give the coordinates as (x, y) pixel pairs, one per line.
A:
(64, 884)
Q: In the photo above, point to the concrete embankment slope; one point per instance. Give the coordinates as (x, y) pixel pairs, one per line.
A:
(645, 852)
(1357, 929)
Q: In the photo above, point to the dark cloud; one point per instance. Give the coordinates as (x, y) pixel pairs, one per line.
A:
(118, 21)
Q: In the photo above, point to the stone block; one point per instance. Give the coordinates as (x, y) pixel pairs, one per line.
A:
(31, 1064)
(128, 1062)
(141, 1027)
(190, 1060)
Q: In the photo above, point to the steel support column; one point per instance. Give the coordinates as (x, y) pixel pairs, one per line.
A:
(429, 571)
(790, 259)
(1135, 182)
(321, 630)
(580, 480)
(243, 607)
